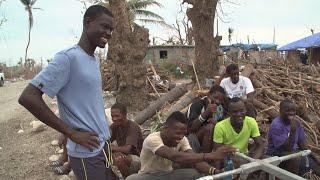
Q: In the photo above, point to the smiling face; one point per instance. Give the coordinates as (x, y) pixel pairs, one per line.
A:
(237, 112)
(99, 29)
(118, 118)
(175, 133)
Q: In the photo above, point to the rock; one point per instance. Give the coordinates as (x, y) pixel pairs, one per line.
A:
(71, 174)
(60, 151)
(38, 126)
(53, 158)
(20, 131)
(55, 142)
(64, 177)
(0, 148)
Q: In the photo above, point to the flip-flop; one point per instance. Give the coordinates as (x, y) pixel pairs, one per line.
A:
(56, 164)
(61, 170)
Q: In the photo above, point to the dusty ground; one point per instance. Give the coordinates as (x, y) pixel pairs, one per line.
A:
(22, 156)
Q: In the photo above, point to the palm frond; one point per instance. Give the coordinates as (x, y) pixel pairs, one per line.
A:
(148, 14)
(25, 2)
(156, 22)
(142, 4)
(32, 2)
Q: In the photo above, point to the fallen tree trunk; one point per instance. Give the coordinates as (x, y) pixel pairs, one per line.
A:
(272, 113)
(182, 103)
(155, 106)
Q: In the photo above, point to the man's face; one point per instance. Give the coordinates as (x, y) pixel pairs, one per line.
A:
(176, 132)
(288, 112)
(99, 29)
(234, 76)
(216, 98)
(237, 112)
(118, 117)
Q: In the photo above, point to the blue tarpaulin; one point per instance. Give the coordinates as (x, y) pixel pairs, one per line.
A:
(247, 47)
(307, 42)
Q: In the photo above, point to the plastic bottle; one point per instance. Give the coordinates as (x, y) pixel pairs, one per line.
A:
(228, 167)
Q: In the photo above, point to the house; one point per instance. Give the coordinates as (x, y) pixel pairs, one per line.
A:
(175, 53)
(310, 43)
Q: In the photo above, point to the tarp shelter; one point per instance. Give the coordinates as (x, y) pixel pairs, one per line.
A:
(312, 41)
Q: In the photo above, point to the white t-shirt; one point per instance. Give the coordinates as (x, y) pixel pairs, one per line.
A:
(241, 89)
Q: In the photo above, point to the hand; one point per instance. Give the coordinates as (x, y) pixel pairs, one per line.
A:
(212, 121)
(62, 140)
(211, 108)
(87, 139)
(293, 123)
(221, 153)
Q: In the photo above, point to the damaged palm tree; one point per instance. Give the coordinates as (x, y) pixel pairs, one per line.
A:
(127, 49)
(201, 15)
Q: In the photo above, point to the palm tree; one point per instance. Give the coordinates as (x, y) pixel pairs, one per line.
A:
(139, 12)
(29, 7)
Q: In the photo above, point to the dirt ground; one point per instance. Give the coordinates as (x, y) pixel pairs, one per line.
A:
(22, 156)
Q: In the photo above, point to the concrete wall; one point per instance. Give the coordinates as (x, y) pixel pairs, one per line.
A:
(174, 53)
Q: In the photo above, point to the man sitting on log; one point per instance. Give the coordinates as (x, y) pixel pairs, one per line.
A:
(129, 140)
(239, 86)
(161, 149)
(286, 136)
(202, 115)
(237, 130)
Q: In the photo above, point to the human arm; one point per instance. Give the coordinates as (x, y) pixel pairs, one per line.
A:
(190, 157)
(31, 99)
(196, 118)
(257, 152)
(288, 144)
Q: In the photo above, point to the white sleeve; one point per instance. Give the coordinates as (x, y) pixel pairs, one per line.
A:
(248, 84)
(222, 83)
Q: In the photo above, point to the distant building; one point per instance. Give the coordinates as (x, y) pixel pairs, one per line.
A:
(175, 53)
(310, 43)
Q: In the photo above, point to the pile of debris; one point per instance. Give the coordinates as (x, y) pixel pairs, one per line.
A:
(157, 81)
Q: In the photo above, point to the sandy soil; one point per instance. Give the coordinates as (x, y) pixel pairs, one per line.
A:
(23, 156)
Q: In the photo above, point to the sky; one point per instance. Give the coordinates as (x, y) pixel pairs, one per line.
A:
(59, 24)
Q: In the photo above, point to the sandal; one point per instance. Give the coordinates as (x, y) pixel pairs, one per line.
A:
(56, 164)
(61, 170)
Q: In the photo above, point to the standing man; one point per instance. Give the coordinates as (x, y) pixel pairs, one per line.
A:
(74, 78)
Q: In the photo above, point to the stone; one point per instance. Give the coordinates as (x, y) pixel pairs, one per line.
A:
(71, 174)
(55, 142)
(60, 151)
(20, 131)
(38, 126)
(64, 177)
(53, 158)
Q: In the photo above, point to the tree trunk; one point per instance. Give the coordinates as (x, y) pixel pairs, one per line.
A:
(172, 95)
(127, 48)
(202, 16)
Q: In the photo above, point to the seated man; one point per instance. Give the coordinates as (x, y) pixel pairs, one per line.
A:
(286, 136)
(237, 130)
(202, 115)
(239, 86)
(161, 149)
(129, 140)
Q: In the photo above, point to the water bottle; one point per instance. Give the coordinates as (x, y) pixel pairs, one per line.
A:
(228, 167)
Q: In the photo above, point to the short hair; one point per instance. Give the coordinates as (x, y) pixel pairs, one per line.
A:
(235, 100)
(231, 67)
(216, 88)
(285, 103)
(95, 10)
(175, 117)
(121, 107)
